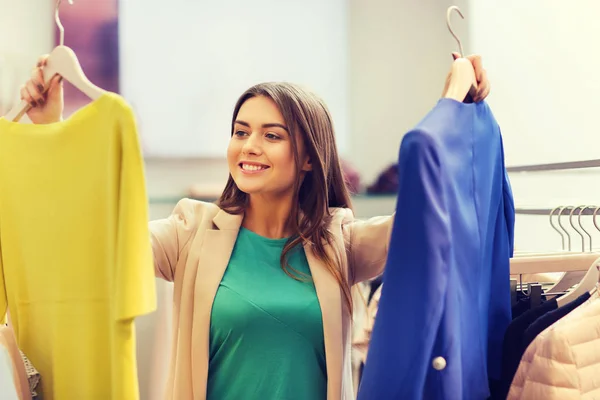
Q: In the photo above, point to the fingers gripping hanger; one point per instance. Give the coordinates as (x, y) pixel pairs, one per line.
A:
(462, 80)
(62, 61)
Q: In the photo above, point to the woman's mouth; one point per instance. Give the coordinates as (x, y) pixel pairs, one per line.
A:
(252, 167)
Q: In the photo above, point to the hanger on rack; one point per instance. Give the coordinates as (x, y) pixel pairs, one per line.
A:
(564, 249)
(590, 280)
(568, 279)
(589, 283)
(62, 61)
(557, 262)
(577, 264)
(463, 82)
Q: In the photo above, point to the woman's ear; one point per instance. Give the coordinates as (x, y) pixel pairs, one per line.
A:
(307, 166)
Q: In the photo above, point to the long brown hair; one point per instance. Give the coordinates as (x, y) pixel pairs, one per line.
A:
(308, 119)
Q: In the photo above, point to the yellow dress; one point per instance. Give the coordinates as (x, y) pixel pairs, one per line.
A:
(75, 259)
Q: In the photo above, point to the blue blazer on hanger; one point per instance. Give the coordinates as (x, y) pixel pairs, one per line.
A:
(445, 301)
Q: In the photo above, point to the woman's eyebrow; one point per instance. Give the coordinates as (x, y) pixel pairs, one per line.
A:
(271, 125)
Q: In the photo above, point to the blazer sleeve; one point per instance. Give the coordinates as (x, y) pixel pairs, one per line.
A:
(369, 243)
(405, 331)
(169, 236)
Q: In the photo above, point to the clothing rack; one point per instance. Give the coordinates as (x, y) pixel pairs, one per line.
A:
(562, 166)
(589, 210)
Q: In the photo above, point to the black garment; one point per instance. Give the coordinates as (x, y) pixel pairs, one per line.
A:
(375, 283)
(495, 389)
(523, 304)
(550, 318)
(521, 307)
(512, 346)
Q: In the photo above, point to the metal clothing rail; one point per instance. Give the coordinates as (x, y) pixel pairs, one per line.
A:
(589, 210)
(555, 166)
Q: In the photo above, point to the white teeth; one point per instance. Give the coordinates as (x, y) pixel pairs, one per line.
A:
(249, 167)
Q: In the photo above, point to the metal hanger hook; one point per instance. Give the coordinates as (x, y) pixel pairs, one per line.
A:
(448, 15)
(560, 213)
(61, 28)
(583, 209)
(562, 237)
(575, 228)
(594, 218)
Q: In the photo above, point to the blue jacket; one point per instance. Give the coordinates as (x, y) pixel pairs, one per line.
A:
(445, 301)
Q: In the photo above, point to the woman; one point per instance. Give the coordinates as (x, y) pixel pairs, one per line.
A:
(262, 279)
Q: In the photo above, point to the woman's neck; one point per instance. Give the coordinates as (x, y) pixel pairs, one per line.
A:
(268, 217)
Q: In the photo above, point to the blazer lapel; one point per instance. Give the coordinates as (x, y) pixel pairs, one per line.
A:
(214, 253)
(329, 295)
(215, 250)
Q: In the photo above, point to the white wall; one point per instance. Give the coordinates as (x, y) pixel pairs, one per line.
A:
(543, 63)
(400, 52)
(549, 190)
(185, 63)
(543, 60)
(27, 33)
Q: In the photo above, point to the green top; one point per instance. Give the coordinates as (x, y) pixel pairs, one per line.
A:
(266, 330)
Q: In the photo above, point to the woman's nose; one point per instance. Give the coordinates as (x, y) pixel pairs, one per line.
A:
(252, 145)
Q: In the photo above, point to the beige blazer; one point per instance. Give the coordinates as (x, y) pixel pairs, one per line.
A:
(363, 337)
(192, 249)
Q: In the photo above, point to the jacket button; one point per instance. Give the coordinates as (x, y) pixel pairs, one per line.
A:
(439, 363)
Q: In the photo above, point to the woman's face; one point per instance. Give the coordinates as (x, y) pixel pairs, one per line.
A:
(260, 153)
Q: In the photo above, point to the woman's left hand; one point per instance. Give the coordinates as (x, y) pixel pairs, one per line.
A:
(483, 84)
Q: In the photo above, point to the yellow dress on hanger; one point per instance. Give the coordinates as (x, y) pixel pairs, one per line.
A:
(75, 259)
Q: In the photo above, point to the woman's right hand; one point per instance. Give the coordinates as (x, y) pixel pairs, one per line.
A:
(46, 105)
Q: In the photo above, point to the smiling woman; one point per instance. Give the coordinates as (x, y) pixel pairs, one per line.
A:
(284, 166)
(282, 148)
(262, 148)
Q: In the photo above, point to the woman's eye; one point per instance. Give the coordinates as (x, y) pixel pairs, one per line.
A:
(240, 133)
(272, 136)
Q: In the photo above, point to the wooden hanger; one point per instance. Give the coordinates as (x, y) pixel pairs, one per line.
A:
(566, 245)
(570, 278)
(552, 263)
(587, 262)
(592, 277)
(62, 61)
(587, 284)
(463, 82)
